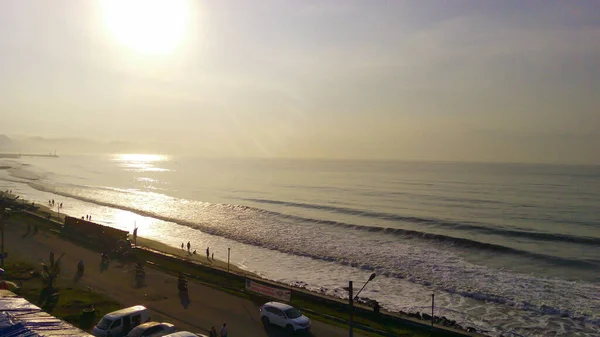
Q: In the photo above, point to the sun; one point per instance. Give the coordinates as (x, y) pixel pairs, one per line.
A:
(147, 26)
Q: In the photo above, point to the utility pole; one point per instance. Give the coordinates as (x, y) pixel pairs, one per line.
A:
(351, 304)
(432, 306)
(351, 298)
(228, 254)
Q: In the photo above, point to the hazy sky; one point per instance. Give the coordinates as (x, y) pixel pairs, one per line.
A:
(437, 80)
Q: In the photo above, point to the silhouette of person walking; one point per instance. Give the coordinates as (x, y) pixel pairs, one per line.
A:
(189, 245)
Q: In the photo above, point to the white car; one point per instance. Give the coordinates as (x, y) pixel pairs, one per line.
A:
(284, 315)
(184, 334)
(152, 329)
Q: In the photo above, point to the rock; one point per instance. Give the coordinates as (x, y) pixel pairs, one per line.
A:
(426, 317)
(376, 307)
(446, 321)
(415, 315)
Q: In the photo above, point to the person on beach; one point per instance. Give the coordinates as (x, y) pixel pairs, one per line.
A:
(194, 252)
(189, 245)
(207, 253)
(182, 245)
(224, 330)
(213, 256)
(213, 332)
(3, 284)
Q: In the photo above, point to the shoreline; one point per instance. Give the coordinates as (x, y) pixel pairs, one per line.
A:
(479, 297)
(205, 306)
(185, 255)
(360, 304)
(41, 210)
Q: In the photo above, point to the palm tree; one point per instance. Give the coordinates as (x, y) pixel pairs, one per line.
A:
(51, 271)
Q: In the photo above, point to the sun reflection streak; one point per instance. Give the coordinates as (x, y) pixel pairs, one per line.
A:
(127, 220)
(141, 162)
(138, 157)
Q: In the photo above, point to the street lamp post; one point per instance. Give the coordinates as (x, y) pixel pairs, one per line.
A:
(351, 298)
(432, 307)
(351, 305)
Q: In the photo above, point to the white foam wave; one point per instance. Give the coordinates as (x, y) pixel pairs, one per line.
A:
(410, 262)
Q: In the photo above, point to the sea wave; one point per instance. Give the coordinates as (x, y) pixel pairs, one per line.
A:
(470, 225)
(432, 268)
(463, 243)
(23, 173)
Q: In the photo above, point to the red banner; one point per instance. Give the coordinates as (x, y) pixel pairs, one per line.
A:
(278, 293)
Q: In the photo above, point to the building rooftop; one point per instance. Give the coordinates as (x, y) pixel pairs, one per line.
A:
(18, 317)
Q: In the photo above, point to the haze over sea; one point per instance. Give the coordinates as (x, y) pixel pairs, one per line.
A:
(511, 249)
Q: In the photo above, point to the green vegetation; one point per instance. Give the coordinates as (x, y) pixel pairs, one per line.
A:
(24, 219)
(49, 295)
(51, 271)
(69, 303)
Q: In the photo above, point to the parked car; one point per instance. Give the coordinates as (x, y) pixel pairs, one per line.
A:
(120, 322)
(284, 315)
(184, 334)
(152, 329)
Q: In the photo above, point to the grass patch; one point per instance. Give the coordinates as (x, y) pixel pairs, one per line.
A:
(71, 301)
(24, 219)
(379, 323)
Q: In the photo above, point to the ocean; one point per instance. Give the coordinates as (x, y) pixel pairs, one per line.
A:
(510, 249)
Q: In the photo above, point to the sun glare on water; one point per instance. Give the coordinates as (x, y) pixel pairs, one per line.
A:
(147, 26)
(135, 157)
(140, 162)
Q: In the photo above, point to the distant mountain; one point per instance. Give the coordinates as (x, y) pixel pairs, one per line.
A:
(44, 145)
(5, 143)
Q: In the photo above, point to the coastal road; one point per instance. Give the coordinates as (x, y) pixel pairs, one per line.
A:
(207, 306)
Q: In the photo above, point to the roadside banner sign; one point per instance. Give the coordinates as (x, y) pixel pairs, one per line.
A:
(263, 289)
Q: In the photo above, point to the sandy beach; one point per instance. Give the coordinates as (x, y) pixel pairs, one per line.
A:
(200, 257)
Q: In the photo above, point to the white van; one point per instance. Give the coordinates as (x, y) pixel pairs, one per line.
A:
(120, 322)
